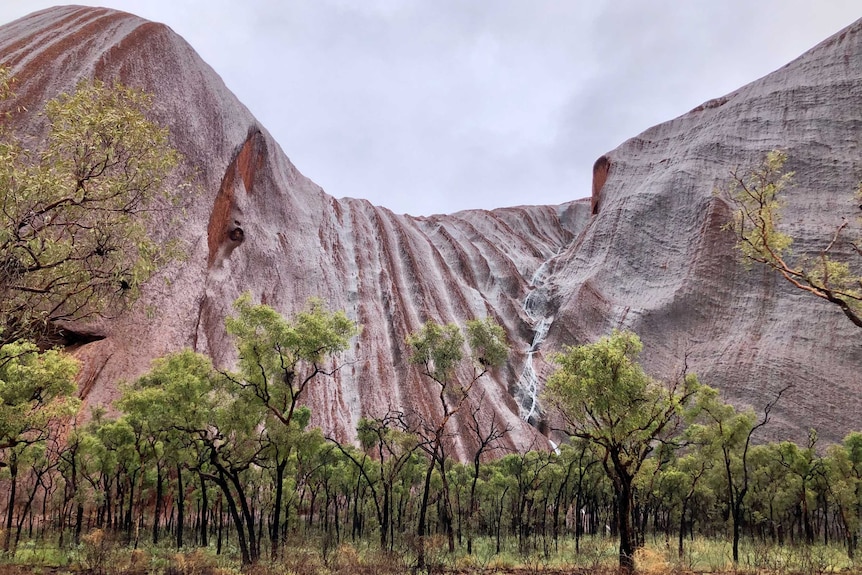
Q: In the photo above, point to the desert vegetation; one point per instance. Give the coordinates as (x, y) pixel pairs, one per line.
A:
(210, 470)
(833, 274)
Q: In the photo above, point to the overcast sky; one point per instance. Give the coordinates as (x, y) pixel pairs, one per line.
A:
(440, 105)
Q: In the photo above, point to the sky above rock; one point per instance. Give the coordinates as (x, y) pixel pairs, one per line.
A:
(436, 106)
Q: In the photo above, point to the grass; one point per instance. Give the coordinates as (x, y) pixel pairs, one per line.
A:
(98, 554)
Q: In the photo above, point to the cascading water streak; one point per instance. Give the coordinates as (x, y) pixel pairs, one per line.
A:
(534, 304)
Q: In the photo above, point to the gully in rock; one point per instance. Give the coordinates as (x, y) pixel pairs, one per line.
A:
(535, 307)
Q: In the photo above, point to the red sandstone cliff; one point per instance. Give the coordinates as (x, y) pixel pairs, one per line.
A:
(653, 258)
(253, 222)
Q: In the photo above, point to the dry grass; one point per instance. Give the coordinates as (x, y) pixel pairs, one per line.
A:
(99, 554)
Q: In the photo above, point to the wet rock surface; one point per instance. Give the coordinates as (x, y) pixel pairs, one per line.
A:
(653, 258)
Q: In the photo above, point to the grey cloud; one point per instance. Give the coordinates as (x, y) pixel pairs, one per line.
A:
(428, 107)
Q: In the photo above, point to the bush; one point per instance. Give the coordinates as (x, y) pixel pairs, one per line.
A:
(96, 548)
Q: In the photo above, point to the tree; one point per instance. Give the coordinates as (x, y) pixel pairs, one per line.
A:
(730, 432)
(184, 394)
(844, 468)
(686, 473)
(391, 449)
(73, 215)
(805, 467)
(35, 398)
(240, 426)
(36, 390)
(528, 471)
(487, 438)
(278, 359)
(604, 396)
(438, 350)
(756, 195)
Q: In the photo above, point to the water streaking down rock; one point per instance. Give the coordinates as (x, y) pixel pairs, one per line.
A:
(652, 258)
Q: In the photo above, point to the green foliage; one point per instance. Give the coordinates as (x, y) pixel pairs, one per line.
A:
(278, 358)
(244, 431)
(177, 393)
(720, 426)
(487, 341)
(605, 397)
(218, 445)
(36, 389)
(757, 198)
(438, 348)
(314, 334)
(756, 195)
(74, 212)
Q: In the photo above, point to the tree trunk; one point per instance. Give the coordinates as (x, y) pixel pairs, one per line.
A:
(806, 519)
(471, 506)
(447, 508)
(108, 511)
(626, 531)
(423, 508)
(220, 529)
(580, 518)
(128, 521)
(10, 510)
(737, 521)
(276, 512)
(386, 513)
(181, 506)
(204, 513)
(158, 510)
(682, 526)
(238, 523)
(26, 513)
(500, 518)
(79, 521)
(253, 541)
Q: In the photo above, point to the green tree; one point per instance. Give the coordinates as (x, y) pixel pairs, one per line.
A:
(604, 396)
(391, 450)
(730, 432)
(278, 359)
(487, 439)
(683, 478)
(844, 470)
(239, 427)
(805, 467)
(110, 461)
(36, 390)
(184, 394)
(438, 350)
(756, 197)
(528, 471)
(74, 211)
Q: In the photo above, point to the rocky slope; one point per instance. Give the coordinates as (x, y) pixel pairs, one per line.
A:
(656, 260)
(653, 258)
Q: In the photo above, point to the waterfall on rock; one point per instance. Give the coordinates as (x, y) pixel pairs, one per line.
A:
(536, 308)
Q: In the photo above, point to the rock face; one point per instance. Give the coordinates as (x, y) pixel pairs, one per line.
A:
(653, 257)
(656, 260)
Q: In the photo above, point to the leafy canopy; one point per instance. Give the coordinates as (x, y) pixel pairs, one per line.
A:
(605, 397)
(73, 216)
(36, 389)
(439, 349)
(757, 198)
(278, 357)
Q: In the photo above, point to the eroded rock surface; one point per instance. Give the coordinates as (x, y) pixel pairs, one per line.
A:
(653, 258)
(656, 260)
